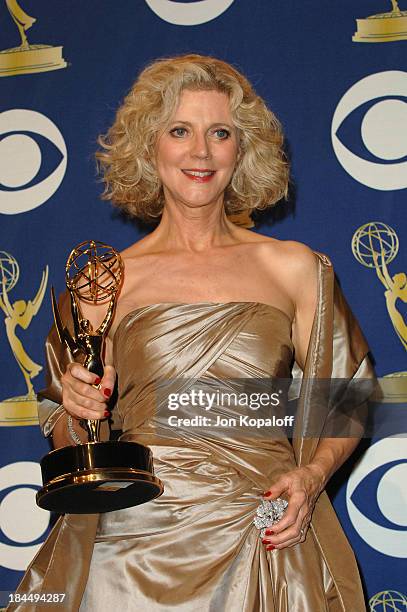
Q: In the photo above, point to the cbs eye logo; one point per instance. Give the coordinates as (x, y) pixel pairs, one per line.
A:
(22, 522)
(376, 497)
(378, 158)
(189, 13)
(34, 157)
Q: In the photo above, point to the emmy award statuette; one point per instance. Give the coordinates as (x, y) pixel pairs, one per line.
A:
(28, 58)
(382, 27)
(375, 245)
(19, 314)
(95, 476)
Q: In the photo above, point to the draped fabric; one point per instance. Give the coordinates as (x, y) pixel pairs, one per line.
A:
(196, 547)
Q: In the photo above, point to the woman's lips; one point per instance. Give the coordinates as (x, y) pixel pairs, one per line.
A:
(199, 176)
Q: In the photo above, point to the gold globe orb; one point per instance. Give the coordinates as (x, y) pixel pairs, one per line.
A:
(372, 238)
(94, 271)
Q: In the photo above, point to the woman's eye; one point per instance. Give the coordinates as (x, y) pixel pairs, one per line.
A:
(222, 134)
(178, 132)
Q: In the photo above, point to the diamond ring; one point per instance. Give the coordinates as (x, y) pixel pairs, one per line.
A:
(268, 513)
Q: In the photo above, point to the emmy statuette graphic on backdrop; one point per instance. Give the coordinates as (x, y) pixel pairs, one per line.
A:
(383, 27)
(94, 476)
(375, 245)
(391, 600)
(19, 410)
(26, 58)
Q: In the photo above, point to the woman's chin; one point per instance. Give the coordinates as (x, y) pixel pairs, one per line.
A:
(197, 203)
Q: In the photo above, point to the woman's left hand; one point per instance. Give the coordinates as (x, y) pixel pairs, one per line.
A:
(301, 487)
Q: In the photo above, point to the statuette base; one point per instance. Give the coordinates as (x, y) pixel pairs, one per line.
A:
(36, 58)
(384, 27)
(93, 477)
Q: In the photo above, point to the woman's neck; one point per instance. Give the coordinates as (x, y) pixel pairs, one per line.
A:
(194, 229)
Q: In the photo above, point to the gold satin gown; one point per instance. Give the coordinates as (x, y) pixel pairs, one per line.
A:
(195, 547)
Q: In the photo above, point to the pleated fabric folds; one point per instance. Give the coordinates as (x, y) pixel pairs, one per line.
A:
(195, 547)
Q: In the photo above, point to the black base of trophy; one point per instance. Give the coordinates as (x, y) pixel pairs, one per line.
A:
(93, 477)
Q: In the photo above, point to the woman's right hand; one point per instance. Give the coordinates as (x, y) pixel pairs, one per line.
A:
(80, 398)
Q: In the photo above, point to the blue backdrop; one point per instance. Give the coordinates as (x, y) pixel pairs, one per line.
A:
(342, 102)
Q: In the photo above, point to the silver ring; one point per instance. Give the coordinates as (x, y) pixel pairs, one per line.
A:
(268, 513)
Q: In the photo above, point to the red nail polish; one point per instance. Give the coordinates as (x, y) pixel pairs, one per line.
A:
(265, 541)
(267, 493)
(107, 392)
(271, 547)
(269, 532)
(97, 381)
(107, 413)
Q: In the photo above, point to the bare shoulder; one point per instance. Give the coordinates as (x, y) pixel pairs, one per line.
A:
(289, 256)
(298, 257)
(292, 268)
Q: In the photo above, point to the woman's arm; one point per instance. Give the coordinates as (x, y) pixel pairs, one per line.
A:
(331, 453)
(303, 485)
(84, 394)
(82, 400)
(69, 385)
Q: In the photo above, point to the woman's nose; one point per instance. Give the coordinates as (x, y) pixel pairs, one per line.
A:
(200, 147)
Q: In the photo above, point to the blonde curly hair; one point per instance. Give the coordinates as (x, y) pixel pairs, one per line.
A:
(126, 157)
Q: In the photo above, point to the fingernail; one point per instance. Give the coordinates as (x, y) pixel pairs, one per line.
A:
(97, 381)
(269, 532)
(265, 541)
(267, 493)
(271, 547)
(107, 392)
(107, 413)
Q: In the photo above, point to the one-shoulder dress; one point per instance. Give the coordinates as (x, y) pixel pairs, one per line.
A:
(196, 548)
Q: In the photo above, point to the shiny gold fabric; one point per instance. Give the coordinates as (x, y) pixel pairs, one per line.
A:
(195, 547)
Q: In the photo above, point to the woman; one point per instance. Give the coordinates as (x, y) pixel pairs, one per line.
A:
(205, 299)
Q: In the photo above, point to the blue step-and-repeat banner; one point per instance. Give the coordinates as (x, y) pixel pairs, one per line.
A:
(335, 74)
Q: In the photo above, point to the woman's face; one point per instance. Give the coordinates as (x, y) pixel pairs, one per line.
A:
(197, 152)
